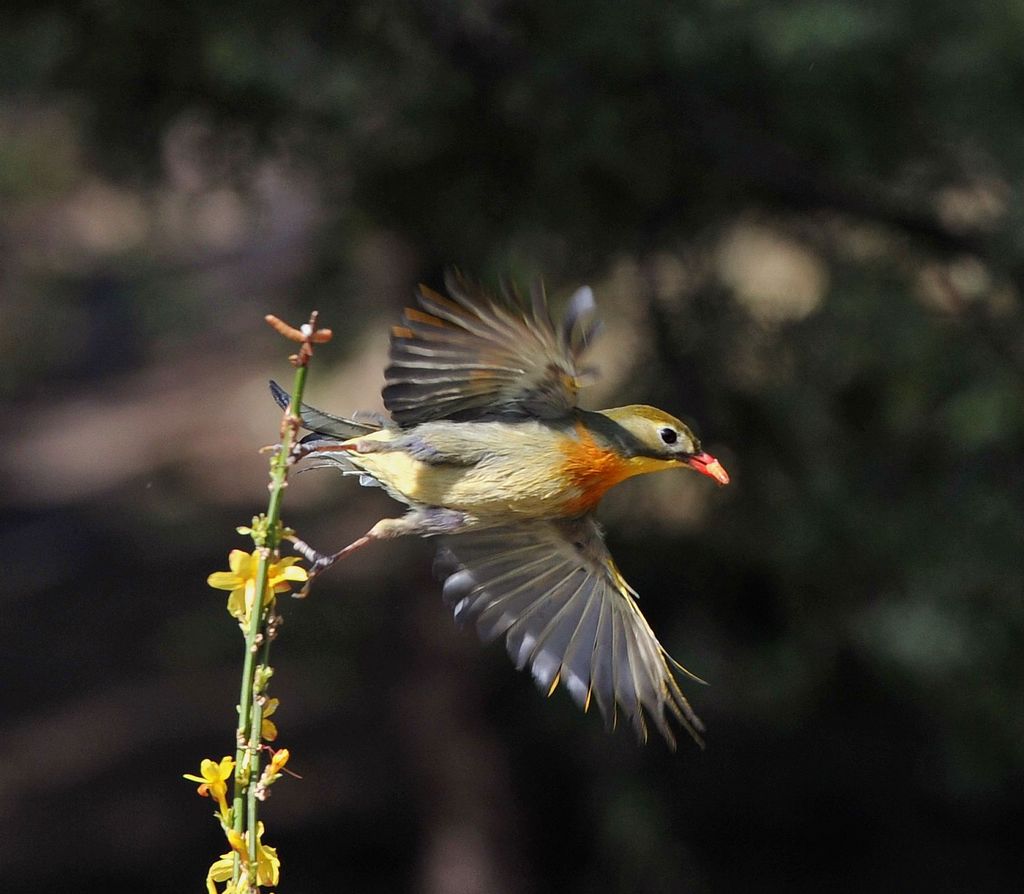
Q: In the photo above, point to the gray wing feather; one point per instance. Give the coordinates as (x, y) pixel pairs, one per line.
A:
(581, 325)
(470, 356)
(548, 653)
(602, 674)
(578, 659)
(552, 589)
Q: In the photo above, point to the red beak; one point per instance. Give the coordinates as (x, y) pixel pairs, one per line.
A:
(706, 464)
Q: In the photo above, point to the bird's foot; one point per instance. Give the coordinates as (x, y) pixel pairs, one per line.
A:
(426, 522)
(319, 562)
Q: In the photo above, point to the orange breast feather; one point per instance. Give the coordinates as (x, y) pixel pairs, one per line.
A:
(591, 468)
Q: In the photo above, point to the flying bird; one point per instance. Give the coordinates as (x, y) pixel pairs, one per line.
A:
(490, 452)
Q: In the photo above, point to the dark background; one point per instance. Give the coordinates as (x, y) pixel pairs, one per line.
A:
(802, 221)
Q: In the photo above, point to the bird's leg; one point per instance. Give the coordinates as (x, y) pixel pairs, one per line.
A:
(310, 444)
(319, 445)
(319, 562)
(426, 522)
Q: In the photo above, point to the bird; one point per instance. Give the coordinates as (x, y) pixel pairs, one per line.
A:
(488, 449)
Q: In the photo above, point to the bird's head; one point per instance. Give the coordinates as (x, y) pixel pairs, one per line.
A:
(657, 436)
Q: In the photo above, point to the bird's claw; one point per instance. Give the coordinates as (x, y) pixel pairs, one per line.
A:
(319, 562)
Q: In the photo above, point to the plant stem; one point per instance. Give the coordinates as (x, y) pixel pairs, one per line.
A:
(252, 819)
(247, 755)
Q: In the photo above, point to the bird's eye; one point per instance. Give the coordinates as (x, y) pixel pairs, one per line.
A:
(669, 435)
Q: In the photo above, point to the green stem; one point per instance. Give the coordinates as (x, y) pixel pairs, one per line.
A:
(252, 818)
(247, 754)
(256, 726)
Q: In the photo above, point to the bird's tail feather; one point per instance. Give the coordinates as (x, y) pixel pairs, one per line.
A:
(324, 423)
(332, 459)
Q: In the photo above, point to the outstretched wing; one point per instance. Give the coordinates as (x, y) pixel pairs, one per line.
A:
(552, 589)
(469, 356)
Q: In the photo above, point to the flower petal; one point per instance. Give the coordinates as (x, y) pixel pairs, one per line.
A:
(236, 604)
(222, 869)
(238, 561)
(209, 770)
(292, 572)
(279, 759)
(224, 580)
(237, 843)
(268, 865)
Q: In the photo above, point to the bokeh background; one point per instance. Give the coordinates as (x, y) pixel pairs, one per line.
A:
(802, 221)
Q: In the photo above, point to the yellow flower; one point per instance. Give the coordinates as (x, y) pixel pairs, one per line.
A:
(214, 778)
(237, 842)
(268, 729)
(278, 761)
(268, 865)
(221, 871)
(272, 772)
(241, 580)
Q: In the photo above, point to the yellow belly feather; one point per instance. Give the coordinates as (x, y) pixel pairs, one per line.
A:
(509, 470)
(515, 470)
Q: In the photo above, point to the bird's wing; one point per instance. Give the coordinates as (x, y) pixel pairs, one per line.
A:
(469, 356)
(552, 589)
